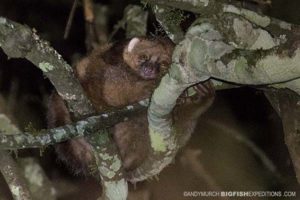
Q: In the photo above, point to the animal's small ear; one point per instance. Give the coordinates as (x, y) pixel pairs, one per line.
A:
(133, 42)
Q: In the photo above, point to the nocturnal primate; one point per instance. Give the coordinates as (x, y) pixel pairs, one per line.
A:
(116, 75)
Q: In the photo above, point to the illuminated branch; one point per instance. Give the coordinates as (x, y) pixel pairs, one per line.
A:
(226, 43)
(19, 41)
(80, 128)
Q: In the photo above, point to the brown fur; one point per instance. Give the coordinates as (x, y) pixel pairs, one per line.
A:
(114, 76)
(111, 76)
(76, 152)
(108, 80)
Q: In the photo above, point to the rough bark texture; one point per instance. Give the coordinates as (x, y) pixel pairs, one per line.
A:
(13, 177)
(19, 41)
(80, 128)
(227, 43)
(234, 45)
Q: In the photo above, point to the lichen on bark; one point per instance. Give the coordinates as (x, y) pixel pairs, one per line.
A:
(216, 46)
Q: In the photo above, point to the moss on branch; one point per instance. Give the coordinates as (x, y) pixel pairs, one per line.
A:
(88, 126)
(233, 45)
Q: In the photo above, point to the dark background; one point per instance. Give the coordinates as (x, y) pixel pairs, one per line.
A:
(233, 166)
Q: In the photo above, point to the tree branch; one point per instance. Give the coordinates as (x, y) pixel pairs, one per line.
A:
(109, 165)
(9, 168)
(37, 180)
(19, 41)
(172, 29)
(233, 45)
(136, 21)
(80, 128)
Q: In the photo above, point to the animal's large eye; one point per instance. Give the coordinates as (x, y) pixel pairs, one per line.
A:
(143, 58)
(164, 64)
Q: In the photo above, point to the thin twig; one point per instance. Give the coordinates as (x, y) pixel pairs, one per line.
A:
(88, 126)
(70, 19)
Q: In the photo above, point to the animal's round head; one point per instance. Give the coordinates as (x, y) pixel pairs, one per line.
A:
(150, 58)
